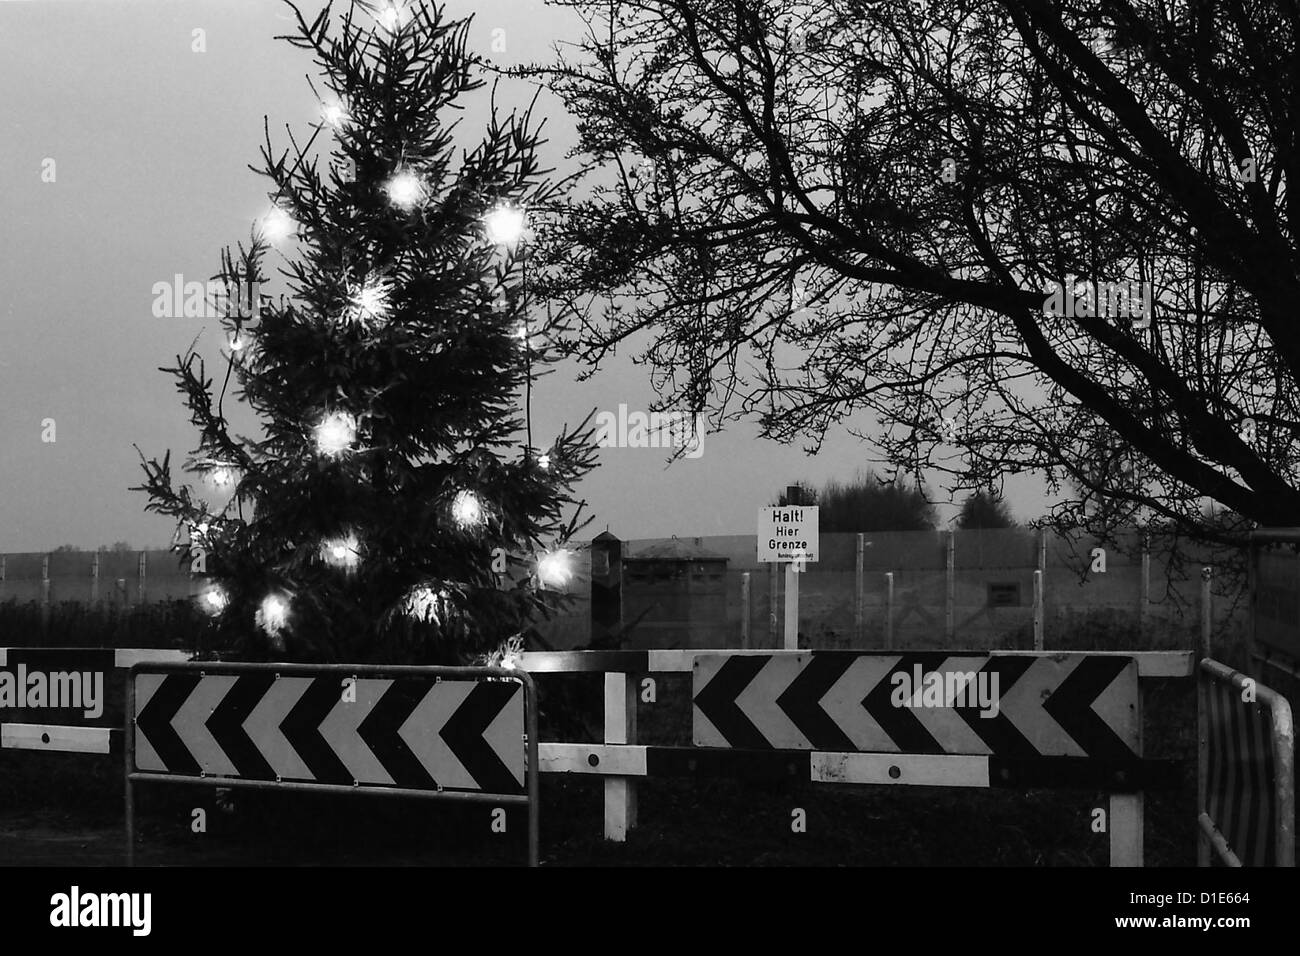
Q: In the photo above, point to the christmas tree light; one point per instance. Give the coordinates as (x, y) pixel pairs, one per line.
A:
(544, 461)
(334, 114)
(335, 434)
(273, 614)
(405, 190)
(393, 15)
(467, 510)
(342, 552)
(214, 599)
(555, 568)
(505, 225)
(369, 302)
(222, 476)
(277, 225)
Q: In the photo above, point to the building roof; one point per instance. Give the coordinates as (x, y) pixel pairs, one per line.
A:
(676, 550)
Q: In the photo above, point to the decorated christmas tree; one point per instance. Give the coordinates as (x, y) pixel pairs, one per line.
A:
(395, 508)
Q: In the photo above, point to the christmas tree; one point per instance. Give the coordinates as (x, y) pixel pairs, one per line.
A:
(395, 509)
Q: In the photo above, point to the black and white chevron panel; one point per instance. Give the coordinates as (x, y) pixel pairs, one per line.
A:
(409, 732)
(1015, 706)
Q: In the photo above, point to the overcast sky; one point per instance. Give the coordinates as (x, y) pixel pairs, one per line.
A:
(151, 143)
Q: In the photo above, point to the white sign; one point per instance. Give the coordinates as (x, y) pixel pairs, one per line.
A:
(787, 534)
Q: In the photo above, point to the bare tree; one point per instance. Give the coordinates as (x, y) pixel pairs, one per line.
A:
(1010, 236)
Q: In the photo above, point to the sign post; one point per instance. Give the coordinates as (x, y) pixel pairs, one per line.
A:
(789, 535)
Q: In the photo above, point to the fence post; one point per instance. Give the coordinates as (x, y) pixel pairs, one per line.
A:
(1038, 610)
(858, 636)
(94, 578)
(744, 610)
(45, 595)
(1042, 581)
(1203, 721)
(620, 728)
(889, 610)
(951, 574)
(1144, 605)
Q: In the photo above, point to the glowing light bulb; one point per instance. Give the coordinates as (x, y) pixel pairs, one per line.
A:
(237, 341)
(466, 510)
(393, 16)
(555, 569)
(335, 434)
(405, 190)
(342, 552)
(521, 330)
(223, 476)
(544, 462)
(277, 225)
(334, 113)
(369, 302)
(215, 600)
(505, 225)
(273, 614)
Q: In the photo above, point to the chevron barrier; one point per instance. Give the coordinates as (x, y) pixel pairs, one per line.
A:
(1049, 705)
(1050, 720)
(467, 733)
(1246, 793)
(68, 699)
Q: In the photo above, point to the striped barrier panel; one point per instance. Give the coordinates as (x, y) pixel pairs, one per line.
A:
(1246, 778)
(444, 733)
(1068, 720)
(68, 699)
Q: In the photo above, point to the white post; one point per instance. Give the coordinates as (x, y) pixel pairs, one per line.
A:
(791, 606)
(1038, 610)
(1126, 810)
(744, 610)
(889, 610)
(620, 728)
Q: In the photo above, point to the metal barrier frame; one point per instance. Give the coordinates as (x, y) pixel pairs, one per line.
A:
(1283, 743)
(531, 797)
(620, 761)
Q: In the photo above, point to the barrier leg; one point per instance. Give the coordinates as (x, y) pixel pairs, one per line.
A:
(1126, 829)
(620, 728)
